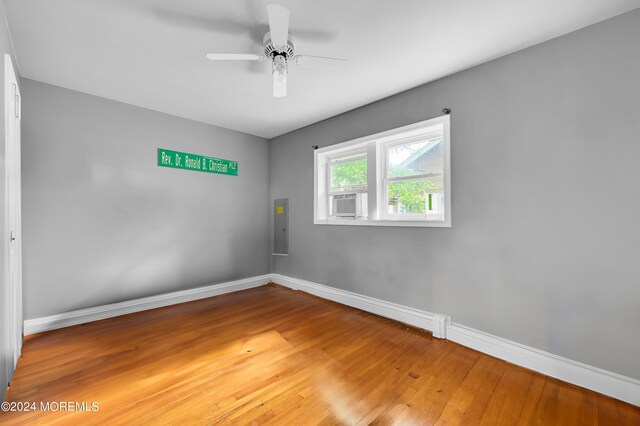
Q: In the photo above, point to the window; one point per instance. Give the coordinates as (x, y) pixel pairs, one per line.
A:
(413, 180)
(395, 178)
(348, 185)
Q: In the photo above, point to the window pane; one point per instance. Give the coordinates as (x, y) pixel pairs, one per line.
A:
(415, 158)
(349, 173)
(415, 197)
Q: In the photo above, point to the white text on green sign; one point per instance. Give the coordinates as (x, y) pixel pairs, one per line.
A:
(200, 163)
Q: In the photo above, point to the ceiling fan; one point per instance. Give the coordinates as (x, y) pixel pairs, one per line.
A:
(280, 49)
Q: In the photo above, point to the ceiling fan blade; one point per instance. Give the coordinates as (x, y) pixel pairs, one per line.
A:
(320, 62)
(234, 57)
(315, 35)
(201, 22)
(278, 24)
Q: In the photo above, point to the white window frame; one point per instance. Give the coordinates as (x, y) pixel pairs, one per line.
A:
(374, 146)
(385, 179)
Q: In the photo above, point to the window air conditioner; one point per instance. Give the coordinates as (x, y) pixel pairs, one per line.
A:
(347, 205)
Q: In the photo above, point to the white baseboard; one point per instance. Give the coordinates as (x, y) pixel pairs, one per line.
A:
(96, 313)
(602, 381)
(574, 372)
(415, 317)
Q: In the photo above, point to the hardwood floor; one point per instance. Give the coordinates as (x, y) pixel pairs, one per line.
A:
(271, 355)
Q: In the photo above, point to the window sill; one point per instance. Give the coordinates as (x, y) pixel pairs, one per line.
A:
(403, 223)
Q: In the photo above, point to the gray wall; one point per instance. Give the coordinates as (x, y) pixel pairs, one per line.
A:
(6, 367)
(103, 223)
(545, 244)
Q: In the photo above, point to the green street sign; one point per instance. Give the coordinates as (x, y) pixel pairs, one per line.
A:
(199, 163)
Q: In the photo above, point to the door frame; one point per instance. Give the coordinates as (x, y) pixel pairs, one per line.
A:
(13, 226)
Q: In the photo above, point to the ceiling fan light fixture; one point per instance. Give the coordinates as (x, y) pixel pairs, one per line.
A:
(279, 70)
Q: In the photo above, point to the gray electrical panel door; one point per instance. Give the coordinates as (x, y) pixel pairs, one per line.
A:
(281, 227)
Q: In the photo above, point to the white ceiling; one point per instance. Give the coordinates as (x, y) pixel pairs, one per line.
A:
(151, 53)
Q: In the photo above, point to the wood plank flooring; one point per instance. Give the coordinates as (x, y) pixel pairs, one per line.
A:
(271, 355)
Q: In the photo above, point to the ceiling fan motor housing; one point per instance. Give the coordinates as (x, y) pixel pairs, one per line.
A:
(271, 50)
